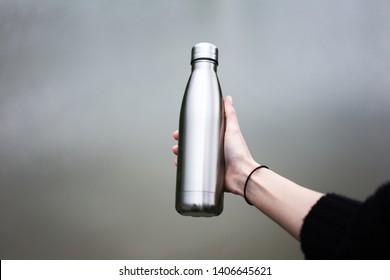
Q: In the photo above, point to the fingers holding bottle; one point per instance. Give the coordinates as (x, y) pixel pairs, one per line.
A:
(238, 159)
(175, 148)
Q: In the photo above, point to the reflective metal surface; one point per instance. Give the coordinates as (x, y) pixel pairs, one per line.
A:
(200, 170)
(204, 51)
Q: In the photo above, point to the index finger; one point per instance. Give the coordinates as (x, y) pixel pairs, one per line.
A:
(176, 135)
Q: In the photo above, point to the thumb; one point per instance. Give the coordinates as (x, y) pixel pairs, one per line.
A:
(230, 115)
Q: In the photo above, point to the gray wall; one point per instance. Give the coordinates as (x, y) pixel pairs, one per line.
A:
(90, 94)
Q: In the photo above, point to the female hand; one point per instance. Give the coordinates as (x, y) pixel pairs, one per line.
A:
(238, 160)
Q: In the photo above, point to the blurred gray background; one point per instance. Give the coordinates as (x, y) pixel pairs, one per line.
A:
(90, 93)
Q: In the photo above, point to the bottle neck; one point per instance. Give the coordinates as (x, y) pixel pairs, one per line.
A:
(204, 64)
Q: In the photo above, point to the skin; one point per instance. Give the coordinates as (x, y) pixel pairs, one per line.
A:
(282, 200)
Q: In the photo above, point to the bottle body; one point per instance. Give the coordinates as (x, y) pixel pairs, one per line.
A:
(200, 165)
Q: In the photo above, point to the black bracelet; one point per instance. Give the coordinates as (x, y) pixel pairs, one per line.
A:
(247, 179)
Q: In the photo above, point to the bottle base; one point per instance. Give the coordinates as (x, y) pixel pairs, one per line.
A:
(199, 204)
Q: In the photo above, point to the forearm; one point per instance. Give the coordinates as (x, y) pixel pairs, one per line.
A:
(284, 201)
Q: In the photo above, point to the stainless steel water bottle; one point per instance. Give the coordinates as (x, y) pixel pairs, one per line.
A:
(200, 163)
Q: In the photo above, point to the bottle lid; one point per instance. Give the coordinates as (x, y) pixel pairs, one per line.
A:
(204, 51)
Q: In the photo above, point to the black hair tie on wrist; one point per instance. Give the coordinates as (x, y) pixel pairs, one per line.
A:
(247, 179)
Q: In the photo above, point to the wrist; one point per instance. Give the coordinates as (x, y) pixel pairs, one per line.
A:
(248, 178)
(240, 174)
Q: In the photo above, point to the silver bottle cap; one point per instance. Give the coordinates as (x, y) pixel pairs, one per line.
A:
(204, 51)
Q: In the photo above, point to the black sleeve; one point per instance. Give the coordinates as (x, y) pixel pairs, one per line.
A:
(341, 228)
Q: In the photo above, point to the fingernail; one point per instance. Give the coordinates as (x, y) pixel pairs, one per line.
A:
(229, 99)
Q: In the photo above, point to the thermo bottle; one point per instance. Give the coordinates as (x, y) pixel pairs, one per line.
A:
(200, 163)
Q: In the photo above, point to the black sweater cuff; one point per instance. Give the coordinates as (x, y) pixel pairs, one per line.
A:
(326, 225)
